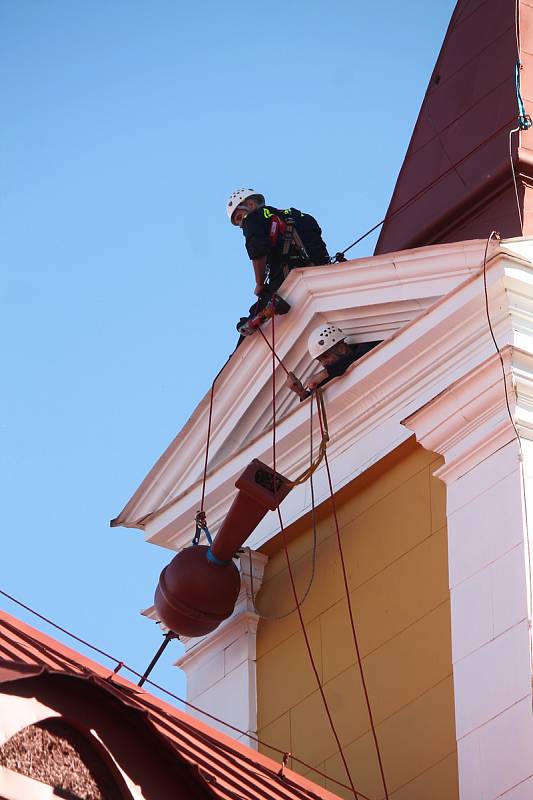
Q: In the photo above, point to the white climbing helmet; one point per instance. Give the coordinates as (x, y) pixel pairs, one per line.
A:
(239, 196)
(324, 337)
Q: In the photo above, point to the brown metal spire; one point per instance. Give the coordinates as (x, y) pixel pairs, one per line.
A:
(456, 181)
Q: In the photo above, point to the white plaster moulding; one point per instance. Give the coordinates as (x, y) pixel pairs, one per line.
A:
(469, 420)
(371, 286)
(372, 398)
(366, 407)
(223, 636)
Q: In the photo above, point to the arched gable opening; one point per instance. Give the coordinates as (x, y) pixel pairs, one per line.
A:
(57, 754)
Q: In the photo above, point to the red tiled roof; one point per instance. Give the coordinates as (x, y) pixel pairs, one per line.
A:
(227, 768)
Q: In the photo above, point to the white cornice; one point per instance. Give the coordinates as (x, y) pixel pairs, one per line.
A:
(469, 420)
(429, 302)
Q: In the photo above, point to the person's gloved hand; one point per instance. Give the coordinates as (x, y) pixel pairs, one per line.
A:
(295, 385)
(315, 380)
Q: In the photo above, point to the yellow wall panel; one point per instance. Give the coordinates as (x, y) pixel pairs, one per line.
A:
(363, 767)
(410, 739)
(286, 675)
(277, 733)
(401, 593)
(311, 748)
(437, 783)
(380, 535)
(395, 544)
(345, 697)
(337, 640)
(421, 660)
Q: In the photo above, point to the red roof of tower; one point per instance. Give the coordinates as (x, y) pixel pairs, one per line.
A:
(456, 180)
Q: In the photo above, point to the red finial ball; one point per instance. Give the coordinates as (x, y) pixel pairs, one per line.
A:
(195, 595)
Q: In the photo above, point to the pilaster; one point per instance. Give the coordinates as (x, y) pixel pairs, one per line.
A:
(471, 426)
(221, 667)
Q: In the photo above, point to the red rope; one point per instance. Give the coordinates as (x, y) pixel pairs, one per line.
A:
(352, 623)
(274, 354)
(204, 478)
(215, 379)
(207, 442)
(291, 575)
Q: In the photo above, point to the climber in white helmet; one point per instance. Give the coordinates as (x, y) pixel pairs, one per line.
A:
(277, 240)
(327, 343)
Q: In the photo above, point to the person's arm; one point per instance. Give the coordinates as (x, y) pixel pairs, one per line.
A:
(296, 386)
(315, 380)
(259, 265)
(255, 233)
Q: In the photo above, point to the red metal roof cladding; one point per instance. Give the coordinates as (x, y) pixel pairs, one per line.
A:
(225, 768)
(460, 143)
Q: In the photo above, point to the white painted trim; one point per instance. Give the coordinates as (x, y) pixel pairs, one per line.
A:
(370, 298)
(469, 420)
(471, 426)
(366, 406)
(220, 667)
(437, 375)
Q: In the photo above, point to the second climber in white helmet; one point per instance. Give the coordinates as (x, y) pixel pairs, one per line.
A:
(327, 343)
(276, 240)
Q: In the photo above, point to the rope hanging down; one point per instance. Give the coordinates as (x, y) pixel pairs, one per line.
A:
(293, 583)
(201, 525)
(497, 237)
(200, 515)
(275, 617)
(210, 418)
(325, 437)
(307, 473)
(352, 623)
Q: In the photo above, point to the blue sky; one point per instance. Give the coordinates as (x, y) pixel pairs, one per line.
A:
(125, 127)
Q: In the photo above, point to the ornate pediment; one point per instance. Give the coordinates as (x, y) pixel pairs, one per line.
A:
(374, 298)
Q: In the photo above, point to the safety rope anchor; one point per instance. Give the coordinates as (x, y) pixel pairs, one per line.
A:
(281, 771)
(524, 120)
(201, 526)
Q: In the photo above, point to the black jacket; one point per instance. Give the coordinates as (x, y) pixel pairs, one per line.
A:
(356, 351)
(264, 229)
